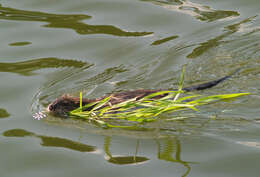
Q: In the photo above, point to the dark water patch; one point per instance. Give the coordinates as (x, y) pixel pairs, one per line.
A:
(200, 12)
(167, 2)
(237, 26)
(126, 160)
(3, 113)
(215, 15)
(71, 21)
(26, 68)
(17, 133)
(20, 43)
(48, 141)
(161, 41)
(65, 143)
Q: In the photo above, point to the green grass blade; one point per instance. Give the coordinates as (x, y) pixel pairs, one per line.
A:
(181, 83)
(80, 104)
(101, 103)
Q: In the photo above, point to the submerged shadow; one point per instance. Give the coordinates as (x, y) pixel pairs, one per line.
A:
(70, 21)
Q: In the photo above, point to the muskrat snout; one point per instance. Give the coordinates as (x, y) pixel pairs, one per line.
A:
(53, 106)
(62, 106)
(50, 107)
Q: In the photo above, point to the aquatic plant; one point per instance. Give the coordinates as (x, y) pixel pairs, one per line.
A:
(147, 109)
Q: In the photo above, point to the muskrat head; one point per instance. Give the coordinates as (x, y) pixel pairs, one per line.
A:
(62, 106)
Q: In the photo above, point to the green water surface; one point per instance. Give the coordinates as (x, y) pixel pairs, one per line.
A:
(49, 48)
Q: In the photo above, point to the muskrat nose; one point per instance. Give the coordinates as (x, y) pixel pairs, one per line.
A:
(50, 107)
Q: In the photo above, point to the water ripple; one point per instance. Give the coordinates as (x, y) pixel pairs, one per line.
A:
(201, 12)
(70, 21)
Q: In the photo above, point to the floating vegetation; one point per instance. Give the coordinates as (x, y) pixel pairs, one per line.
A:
(148, 109)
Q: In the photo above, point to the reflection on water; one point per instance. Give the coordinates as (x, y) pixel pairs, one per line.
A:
(213, 43)
(27, 67)
(122, 160)
(48, 141)
(70, 21)
(168, 149)
(201, 12)
(3, 113)
(161, 41)
(20, 43)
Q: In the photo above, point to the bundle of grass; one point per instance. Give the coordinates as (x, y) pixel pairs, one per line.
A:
(147, 109)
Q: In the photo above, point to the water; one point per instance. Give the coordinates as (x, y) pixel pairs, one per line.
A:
(98, 47)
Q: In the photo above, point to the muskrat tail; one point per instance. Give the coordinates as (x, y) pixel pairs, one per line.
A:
(210, 84)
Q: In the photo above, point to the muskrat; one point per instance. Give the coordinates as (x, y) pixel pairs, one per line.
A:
(63, 105)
